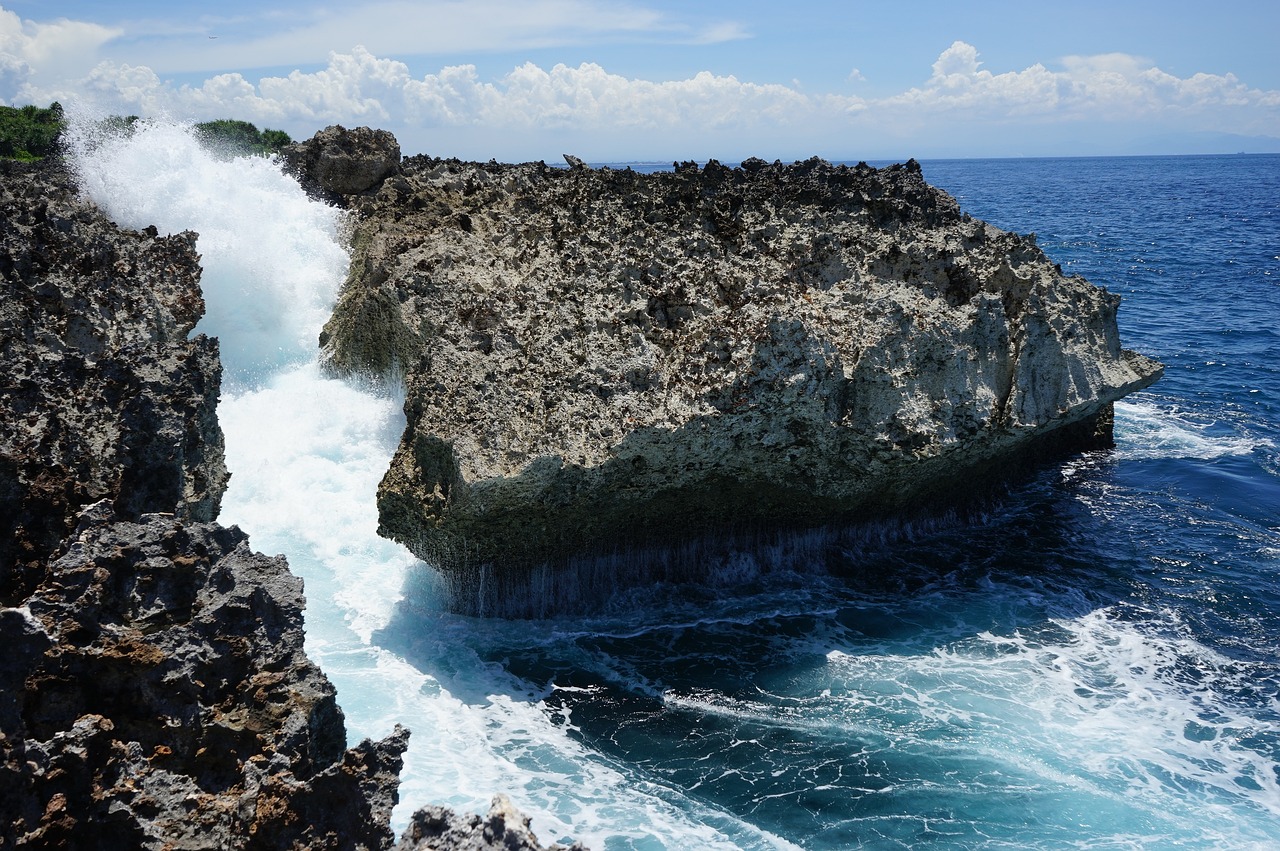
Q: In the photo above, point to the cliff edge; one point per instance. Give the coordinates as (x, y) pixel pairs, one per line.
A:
(602, 361)
(154, 692)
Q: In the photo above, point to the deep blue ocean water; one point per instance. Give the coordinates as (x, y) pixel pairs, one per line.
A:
(1092, 664)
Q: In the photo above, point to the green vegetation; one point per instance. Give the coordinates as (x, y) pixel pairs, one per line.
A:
(29, 132)
(240, 137)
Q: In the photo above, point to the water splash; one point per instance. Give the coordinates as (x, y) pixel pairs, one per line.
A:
(306, 453)
(1146, 429)
(272, 259)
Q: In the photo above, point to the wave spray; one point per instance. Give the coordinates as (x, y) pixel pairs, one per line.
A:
(306, 453)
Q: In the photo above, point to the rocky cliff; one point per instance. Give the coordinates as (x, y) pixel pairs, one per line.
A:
(103, 396)
(154, 692)
(601, 361)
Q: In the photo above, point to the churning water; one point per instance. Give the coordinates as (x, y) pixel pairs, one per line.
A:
(1093, 665)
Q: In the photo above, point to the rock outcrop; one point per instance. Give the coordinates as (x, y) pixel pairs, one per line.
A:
(600, 360)
(102, 394)
(158, 697)
(503, 828)
(154, 692)
(337, 161)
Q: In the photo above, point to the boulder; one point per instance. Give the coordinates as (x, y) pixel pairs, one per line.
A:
(337, 161)
(503, 828)
(602, 363)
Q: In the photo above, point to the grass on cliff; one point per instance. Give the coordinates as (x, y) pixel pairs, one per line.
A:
(30, 133)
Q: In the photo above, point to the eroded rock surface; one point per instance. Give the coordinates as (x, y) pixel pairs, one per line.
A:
(599, 360)
(337, 161)
(503, 828)
(101, 393)
(157, 696)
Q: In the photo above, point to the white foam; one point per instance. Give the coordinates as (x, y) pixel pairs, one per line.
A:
(306, 454)
(1126, 713)
(272, 259)
(1147, 430)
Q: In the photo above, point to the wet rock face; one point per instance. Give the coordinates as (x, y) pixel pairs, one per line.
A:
(601, 360)
(503, 828)
(157, 695)
(337, 161)
(102, 395)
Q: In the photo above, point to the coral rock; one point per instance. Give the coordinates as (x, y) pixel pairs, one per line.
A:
(600, 361)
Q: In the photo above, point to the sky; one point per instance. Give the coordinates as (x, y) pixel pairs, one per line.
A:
(658, 80)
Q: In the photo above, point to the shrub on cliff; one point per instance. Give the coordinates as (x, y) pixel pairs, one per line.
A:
(30, 132)
(238, 138)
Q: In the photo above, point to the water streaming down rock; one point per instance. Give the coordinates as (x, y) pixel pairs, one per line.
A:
(157, 691)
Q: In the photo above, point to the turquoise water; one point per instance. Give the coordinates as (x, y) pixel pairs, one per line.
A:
(1092, 665)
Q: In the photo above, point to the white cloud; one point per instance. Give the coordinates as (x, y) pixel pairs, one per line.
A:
(1112, 87)
(532, 107)
(721, 32)
(359, 87)
(31, 52)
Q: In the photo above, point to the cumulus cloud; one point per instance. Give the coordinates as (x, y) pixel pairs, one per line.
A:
(360, 86)
(1113, 86)
(30, 51)
(721, 113)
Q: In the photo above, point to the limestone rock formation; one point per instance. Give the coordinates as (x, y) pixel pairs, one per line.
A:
(157, 696)
(337, 161)
(102, 395)
(601, 360)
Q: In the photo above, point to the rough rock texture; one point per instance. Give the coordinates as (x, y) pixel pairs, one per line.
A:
(157, 696)
(153, 687)
(337, 161)
(101, 395)
(504, 828)
(600, 360)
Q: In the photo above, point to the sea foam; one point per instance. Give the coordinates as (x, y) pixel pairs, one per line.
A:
(306, 452)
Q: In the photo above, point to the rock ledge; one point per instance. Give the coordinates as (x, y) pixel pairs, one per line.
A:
(602, 361)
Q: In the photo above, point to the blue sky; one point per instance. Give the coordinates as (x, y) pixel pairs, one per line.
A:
(663, 80)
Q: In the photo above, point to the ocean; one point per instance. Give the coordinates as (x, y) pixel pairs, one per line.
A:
(1091, 664)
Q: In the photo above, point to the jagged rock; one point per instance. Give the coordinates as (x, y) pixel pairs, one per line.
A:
(154, 692)
(600, 360)
(503, 828)
(101, 395)
(337, 161)
(158, 696)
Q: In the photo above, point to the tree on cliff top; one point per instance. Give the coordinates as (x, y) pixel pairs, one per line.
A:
(30, 132)
(237, 138)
